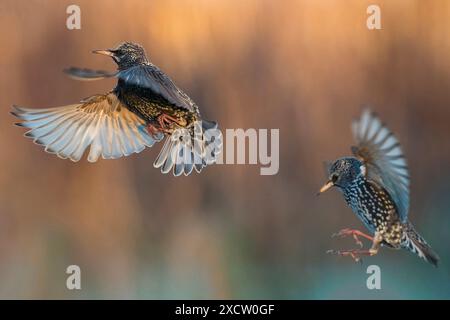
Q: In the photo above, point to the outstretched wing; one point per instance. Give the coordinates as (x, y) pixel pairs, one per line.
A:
(381, 153)
(100, 121)
(152, 78)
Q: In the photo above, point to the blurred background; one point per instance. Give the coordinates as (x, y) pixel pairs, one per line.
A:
(305, 67)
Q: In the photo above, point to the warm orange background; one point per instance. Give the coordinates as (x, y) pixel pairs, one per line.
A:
(305, 67)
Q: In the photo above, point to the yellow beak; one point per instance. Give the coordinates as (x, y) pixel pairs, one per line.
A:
(325, 187)
(104, 52)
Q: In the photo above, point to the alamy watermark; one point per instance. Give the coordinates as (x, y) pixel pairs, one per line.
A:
(373, 21)
(374, 280)
(73, 281)
(249, 146)
(73, 21)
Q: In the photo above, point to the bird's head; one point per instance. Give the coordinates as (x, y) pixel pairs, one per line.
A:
(126, 55)
(343, 172)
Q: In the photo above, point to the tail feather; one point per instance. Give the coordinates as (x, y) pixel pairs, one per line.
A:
(190, 148)
(416, 244)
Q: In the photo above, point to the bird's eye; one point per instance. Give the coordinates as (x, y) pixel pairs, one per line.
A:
(334, 178)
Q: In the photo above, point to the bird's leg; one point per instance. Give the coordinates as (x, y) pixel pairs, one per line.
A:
(166, 120)
(354, 233)
(357, 253)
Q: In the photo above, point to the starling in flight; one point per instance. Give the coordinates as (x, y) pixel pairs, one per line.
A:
(143, 108)
(375, 184)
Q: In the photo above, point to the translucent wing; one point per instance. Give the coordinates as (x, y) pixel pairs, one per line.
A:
(381, 153)
(101, 122)
(188, 149)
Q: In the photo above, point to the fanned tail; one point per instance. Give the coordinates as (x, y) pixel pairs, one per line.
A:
(416, 244)
(190, 148)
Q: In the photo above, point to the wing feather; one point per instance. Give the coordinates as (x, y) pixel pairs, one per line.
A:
(380, 151)
(101, 122)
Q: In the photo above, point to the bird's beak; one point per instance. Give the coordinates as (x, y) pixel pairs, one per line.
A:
(104, 52)
(325, 187)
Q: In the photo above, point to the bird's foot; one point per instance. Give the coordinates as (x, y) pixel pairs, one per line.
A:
(354, 253)
(354, 233)
(167, 122)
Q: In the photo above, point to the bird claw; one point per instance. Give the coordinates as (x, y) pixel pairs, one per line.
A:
(168, 123)
(341, 233)
(352, 253)
(357, 253)
(351, 232)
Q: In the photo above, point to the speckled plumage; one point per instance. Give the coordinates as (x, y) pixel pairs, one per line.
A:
(149, 106)
(146, 90)
(375, 184)
(373, 205)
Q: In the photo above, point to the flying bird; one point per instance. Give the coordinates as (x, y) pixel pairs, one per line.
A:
(144, 107)
(375, 184)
